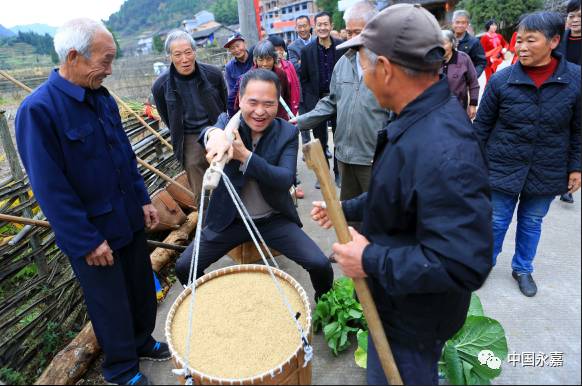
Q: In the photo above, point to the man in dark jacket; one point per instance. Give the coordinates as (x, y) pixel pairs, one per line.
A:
(189, 97)
(571, 48)
(426, 237)
(262, 170)
(317, 62)
(467, 43)
(529, 122)
(84, 175)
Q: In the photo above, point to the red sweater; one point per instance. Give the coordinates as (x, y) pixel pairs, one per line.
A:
(540, 74)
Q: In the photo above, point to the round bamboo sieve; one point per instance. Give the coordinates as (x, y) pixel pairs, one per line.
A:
(242, 332)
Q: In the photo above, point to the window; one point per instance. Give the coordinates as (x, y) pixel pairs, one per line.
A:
(304, 6)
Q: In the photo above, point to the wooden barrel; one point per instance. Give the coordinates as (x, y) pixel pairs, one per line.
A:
(247, 253)
(241, 326)
(171, 215)
(182, 198)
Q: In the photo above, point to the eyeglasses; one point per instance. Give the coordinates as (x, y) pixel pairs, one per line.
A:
(178, 55)
(351, 33)
(574, 15)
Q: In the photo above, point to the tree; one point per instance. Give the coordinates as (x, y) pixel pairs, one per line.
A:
(225, 11)
(158, 44)
(337, 17)
(506, 12)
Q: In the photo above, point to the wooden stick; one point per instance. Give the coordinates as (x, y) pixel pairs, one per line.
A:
(165, 177)
(46, 224)
(16, 82)
(316, 161)
(141, 120)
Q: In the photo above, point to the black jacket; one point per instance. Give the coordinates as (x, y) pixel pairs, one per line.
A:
(169, 103)
(472, 47)
(273, 165)
(563, 47)
(427, 215)
(309, 74)
(531, 135)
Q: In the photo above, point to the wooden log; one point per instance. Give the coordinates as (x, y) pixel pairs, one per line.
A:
(161, 256)
(69, 365)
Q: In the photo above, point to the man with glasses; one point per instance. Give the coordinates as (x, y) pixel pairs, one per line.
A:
(189, 96)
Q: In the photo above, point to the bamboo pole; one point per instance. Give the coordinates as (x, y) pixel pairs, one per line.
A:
(165, 177)
(16, 82)
(141, 120)
(316, 161)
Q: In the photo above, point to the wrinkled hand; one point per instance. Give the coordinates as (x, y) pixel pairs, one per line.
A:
(101, 256)
(574, 182)
(150, 216)
(319, 214)
(472, 112)
(349, 256)
(218, 146)
(240, 151)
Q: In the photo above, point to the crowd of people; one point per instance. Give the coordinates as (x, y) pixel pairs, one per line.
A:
(429, 175)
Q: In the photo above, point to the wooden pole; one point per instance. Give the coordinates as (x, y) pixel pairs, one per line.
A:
(316, 161)
(165, 177)
(18, 175)
(248, 21)
(141, 120)
(16, 82)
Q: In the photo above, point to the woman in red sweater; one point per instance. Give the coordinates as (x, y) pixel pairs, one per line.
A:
(495, 47)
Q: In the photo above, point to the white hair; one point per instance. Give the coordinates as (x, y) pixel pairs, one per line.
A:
(461, 13)
(362, 10)
(77, 34)
(178, 35)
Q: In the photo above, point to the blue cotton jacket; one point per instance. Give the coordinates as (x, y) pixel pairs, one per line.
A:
(232, 72)
(273, 165)
(81, 166)
(531, 135)
(427, 215)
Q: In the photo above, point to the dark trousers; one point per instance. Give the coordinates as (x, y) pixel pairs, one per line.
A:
(121, 301)
(417, 365)
(279, 233)
(355, 180)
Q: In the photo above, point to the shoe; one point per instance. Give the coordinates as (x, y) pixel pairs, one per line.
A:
(338, 181)
(137, 379)
(328, 154)
(527, 285)
(567, 198)
(299, 193)
(317, 186)
(160, 352)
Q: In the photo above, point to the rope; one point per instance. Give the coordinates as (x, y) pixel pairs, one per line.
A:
(252, 229)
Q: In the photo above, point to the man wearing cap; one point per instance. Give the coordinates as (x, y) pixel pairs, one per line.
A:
(426, 238)
(241, 63)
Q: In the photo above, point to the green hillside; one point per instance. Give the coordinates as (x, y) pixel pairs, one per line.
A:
(21, 55)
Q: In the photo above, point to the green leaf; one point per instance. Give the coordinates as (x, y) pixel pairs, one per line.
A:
(454, 366)
(355, 314)
(362, 337)
(361, 357)
(330, 329)
(475, 308)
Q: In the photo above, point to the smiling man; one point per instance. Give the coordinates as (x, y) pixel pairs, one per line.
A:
(189, 96)
(84, 175)
(262, 169)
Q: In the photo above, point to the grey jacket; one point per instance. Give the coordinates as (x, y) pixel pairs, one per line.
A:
(359, 116)
(295, 52)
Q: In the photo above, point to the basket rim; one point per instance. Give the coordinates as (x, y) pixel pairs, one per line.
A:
(227, 271)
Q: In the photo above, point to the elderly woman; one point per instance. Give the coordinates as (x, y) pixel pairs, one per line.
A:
(265, 57)
(495, 47)
(461, 74)
(529, 123)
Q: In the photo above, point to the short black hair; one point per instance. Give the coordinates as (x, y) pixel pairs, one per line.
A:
(489, 24)
(262, 75)
(548, 23)
(322, 14)
(303, 17)
(573, 6)
(277, 41)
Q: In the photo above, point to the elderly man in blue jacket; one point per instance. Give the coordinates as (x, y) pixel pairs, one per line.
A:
(426, 237)
(84, 175)
(262, 169)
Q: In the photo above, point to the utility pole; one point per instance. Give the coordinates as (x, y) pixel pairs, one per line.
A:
(248, 21)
